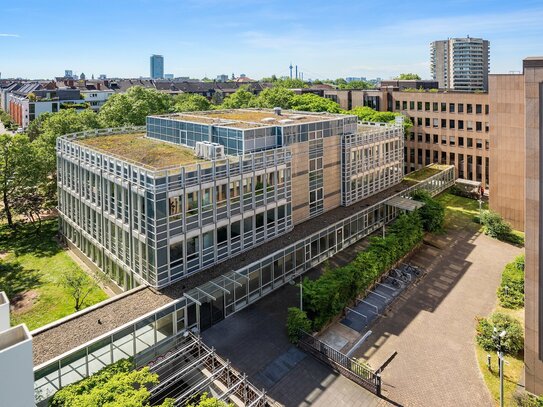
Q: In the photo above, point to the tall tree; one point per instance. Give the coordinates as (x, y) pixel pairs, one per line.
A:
(408, 77)
(187, 102)
(239, 99)
(274, 97)
(18, 170)
(312, 103)
(132, 107)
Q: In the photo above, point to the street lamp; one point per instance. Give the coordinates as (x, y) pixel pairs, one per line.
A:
(292, 282)
(480, 200)
(498, 338)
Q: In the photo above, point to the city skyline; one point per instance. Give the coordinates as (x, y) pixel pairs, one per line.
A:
(261, 38)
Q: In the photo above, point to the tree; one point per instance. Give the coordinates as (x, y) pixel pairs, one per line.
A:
(367, 114)
(312, 103)
(297, 322)
(239, 99)
(132, 107)
(408, 77)
(18, 170)
(432, 213)
(187, 102)
(274, 97)
(116, 385)
(494, 225)
(290, 83)
(206, 401)
(356, 85)
(489, 328)
(79, 285)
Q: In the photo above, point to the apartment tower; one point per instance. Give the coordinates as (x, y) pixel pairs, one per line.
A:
(460, 63)
(157, 67)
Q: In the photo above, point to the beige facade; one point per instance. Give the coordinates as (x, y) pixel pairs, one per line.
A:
(300, 181)
(506, 98)
(533, 346)
(448, 128)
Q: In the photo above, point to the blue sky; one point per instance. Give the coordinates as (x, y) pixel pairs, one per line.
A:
(327, 39)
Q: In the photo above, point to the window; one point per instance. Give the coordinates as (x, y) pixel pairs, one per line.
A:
(451, 158)
(427, 122)
(175, 207)
(411, 105)
(435, 107)
(315, 164)
(427, 138)
(469, 126)
(419, 137)
(451, 107)
(397, 105)
(460, 108)
(404, 105)
(427, 106)
(436, 139)
(443, 106)
(479, 143)
(487, 127)
(487, 144)
(436, 123)
(479, 126)
(451, 141)
(444, 140)
(460, 124)
(193, 248)
(443, 123)
(419, 121)
(221, 195)
(486, 109)
(176, 254)
(461, 141)
(192, 203)
(451, 124)
(470, 142)
(469, 108)
(419, 105)
(478, 109)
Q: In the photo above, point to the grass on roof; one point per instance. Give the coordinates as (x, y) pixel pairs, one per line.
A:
(252, 116)
(142, 150)
(425, 172)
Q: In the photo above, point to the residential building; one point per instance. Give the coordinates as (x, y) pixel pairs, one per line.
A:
(155, 209)
(157, 66)
(95, 96)
(222, 78)
(461, 63)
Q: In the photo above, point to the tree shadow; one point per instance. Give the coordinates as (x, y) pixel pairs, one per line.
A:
(27, 239)
(15, 279)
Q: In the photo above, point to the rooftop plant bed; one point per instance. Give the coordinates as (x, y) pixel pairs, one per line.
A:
(143, 150)
(426, 172)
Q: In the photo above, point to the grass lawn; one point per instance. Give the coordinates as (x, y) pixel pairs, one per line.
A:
(512, 369)
(31, 267)
(459, 210)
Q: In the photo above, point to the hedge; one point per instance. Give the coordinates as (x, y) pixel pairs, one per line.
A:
(297, 321)
(511, 289)
(327, 296)
(512, 342)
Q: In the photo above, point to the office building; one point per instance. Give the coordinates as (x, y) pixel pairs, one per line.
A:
(161, 208)
(461, 63)
(157, 66)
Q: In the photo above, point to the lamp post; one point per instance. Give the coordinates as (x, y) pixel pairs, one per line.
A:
(480, 200)
(292, 282)
(498, 338)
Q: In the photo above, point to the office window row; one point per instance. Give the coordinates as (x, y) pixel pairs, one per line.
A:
(443, 107)
(452, 124)
(450, 140)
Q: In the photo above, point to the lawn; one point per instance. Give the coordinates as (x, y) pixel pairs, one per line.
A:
(459, 210)
(512, 372)
(31, 267)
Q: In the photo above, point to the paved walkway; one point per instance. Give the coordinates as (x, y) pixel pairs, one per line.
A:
(432, 326)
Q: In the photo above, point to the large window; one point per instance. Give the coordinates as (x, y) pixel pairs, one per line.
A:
(176, 254)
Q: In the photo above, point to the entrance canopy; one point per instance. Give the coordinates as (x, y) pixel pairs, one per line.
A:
(405, 204)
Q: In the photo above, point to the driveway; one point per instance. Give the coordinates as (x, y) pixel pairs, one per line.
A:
(432, 326)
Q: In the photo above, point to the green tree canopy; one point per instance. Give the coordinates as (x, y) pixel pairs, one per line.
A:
(132, 107)
(187, 102)
(407, 77)
(274, 97)
(367, 114)
(239, 99)
(116, 385)
(356, 85)
(290, 83)
(312, 103)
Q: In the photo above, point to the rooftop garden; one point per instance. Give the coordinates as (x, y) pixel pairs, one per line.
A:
(425, 173)
(142, 150)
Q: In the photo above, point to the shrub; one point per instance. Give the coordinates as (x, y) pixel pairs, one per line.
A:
(327, 296)
(495, 226)
(432, 213)
(512, 343)
(297, 321)
(511, 289)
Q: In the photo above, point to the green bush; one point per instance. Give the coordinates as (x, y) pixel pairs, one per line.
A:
(512, 343)
(327, 296)
(297, 321)
(432, 213)
(511, 289)
(494, 225)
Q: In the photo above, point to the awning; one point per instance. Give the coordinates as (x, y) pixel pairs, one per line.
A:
(468, 182)
(404, 203)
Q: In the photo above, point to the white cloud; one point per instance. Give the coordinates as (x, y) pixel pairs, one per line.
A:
(9, 35)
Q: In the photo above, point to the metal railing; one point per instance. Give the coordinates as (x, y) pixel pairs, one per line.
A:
(345, 365)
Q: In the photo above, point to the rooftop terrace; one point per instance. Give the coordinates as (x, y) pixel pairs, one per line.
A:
(251, 118)
(142, 150)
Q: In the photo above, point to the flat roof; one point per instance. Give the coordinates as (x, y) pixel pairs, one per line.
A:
(252, 118)
(137, 148)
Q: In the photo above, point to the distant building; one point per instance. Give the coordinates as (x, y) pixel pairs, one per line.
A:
(355, 79)
(222, 78)
(168, 76)
(68, 73)
(102, 76)
(461, 63)
(157, 67)
(82, 76)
